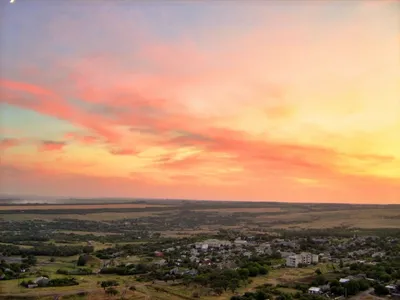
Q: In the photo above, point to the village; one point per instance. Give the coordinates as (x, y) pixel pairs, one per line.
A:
(342, 267)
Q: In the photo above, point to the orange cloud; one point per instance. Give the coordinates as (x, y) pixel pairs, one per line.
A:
(123, 152)
(81, 138)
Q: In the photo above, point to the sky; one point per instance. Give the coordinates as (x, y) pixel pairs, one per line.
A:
(223, 100)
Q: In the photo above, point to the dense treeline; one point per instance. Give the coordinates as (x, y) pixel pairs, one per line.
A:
(56, 282)
(133, 269)
(45, 250)
(78, 271)
(85, 211)
(383, 271)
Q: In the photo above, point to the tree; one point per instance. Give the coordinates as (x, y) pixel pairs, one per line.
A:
(260, 295)
(363, 284)
(218, 291)
(223, 283)
(243, 273)
(111, 291)
(320, 280)
(82, 260)
(381, 290)
(335, 283)
(341, 265)
(352, 287)
(109, 283)
(253, 271)
(318, 271)
(233, 285)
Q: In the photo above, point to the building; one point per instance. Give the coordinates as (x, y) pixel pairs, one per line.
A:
(41, 281)
(304, 258)
(240, 242)
(315, 290)
(292, 261)
(391, 288)
(160, 263)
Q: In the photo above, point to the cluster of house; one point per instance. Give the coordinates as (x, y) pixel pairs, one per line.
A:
(394, 289)
(222, 253)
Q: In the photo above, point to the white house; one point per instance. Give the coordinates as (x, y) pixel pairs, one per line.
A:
(204, 247)
(314, 290)
(240, 242)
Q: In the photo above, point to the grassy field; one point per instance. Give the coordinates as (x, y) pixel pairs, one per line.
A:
(362, 218)
(273, 215)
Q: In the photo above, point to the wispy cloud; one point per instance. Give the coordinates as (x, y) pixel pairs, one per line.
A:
(51, 146)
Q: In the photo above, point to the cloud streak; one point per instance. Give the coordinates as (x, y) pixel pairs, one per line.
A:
(51, 146)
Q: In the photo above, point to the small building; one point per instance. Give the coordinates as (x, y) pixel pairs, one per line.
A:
(41, 281)
(158, 254)
(160, 263)
(315, 290)
(344, 280)
(391, 288)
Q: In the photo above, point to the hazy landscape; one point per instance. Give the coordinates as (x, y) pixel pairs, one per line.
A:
(127, 232)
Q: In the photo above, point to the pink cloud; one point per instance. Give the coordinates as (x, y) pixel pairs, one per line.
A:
(123, 152)
(51, 146)
(81, 138)
(8, 143)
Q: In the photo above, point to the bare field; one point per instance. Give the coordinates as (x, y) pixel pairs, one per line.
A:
(103, 216)
(83, 206)
(245, 210)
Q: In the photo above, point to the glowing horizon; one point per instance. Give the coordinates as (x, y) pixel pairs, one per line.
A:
(291, 102)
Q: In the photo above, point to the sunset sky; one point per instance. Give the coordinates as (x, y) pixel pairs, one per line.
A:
(226, 100)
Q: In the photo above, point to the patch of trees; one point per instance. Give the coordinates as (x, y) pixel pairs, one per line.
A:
(259, 295)
(127, 269)
(56, 282)
(352, 287)
(221, 280)
(13, 270)
(63, 282)
(381, 290)
(78, 271)
(109, 283)
(383, 271)
(42, 250)
(254, 269)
